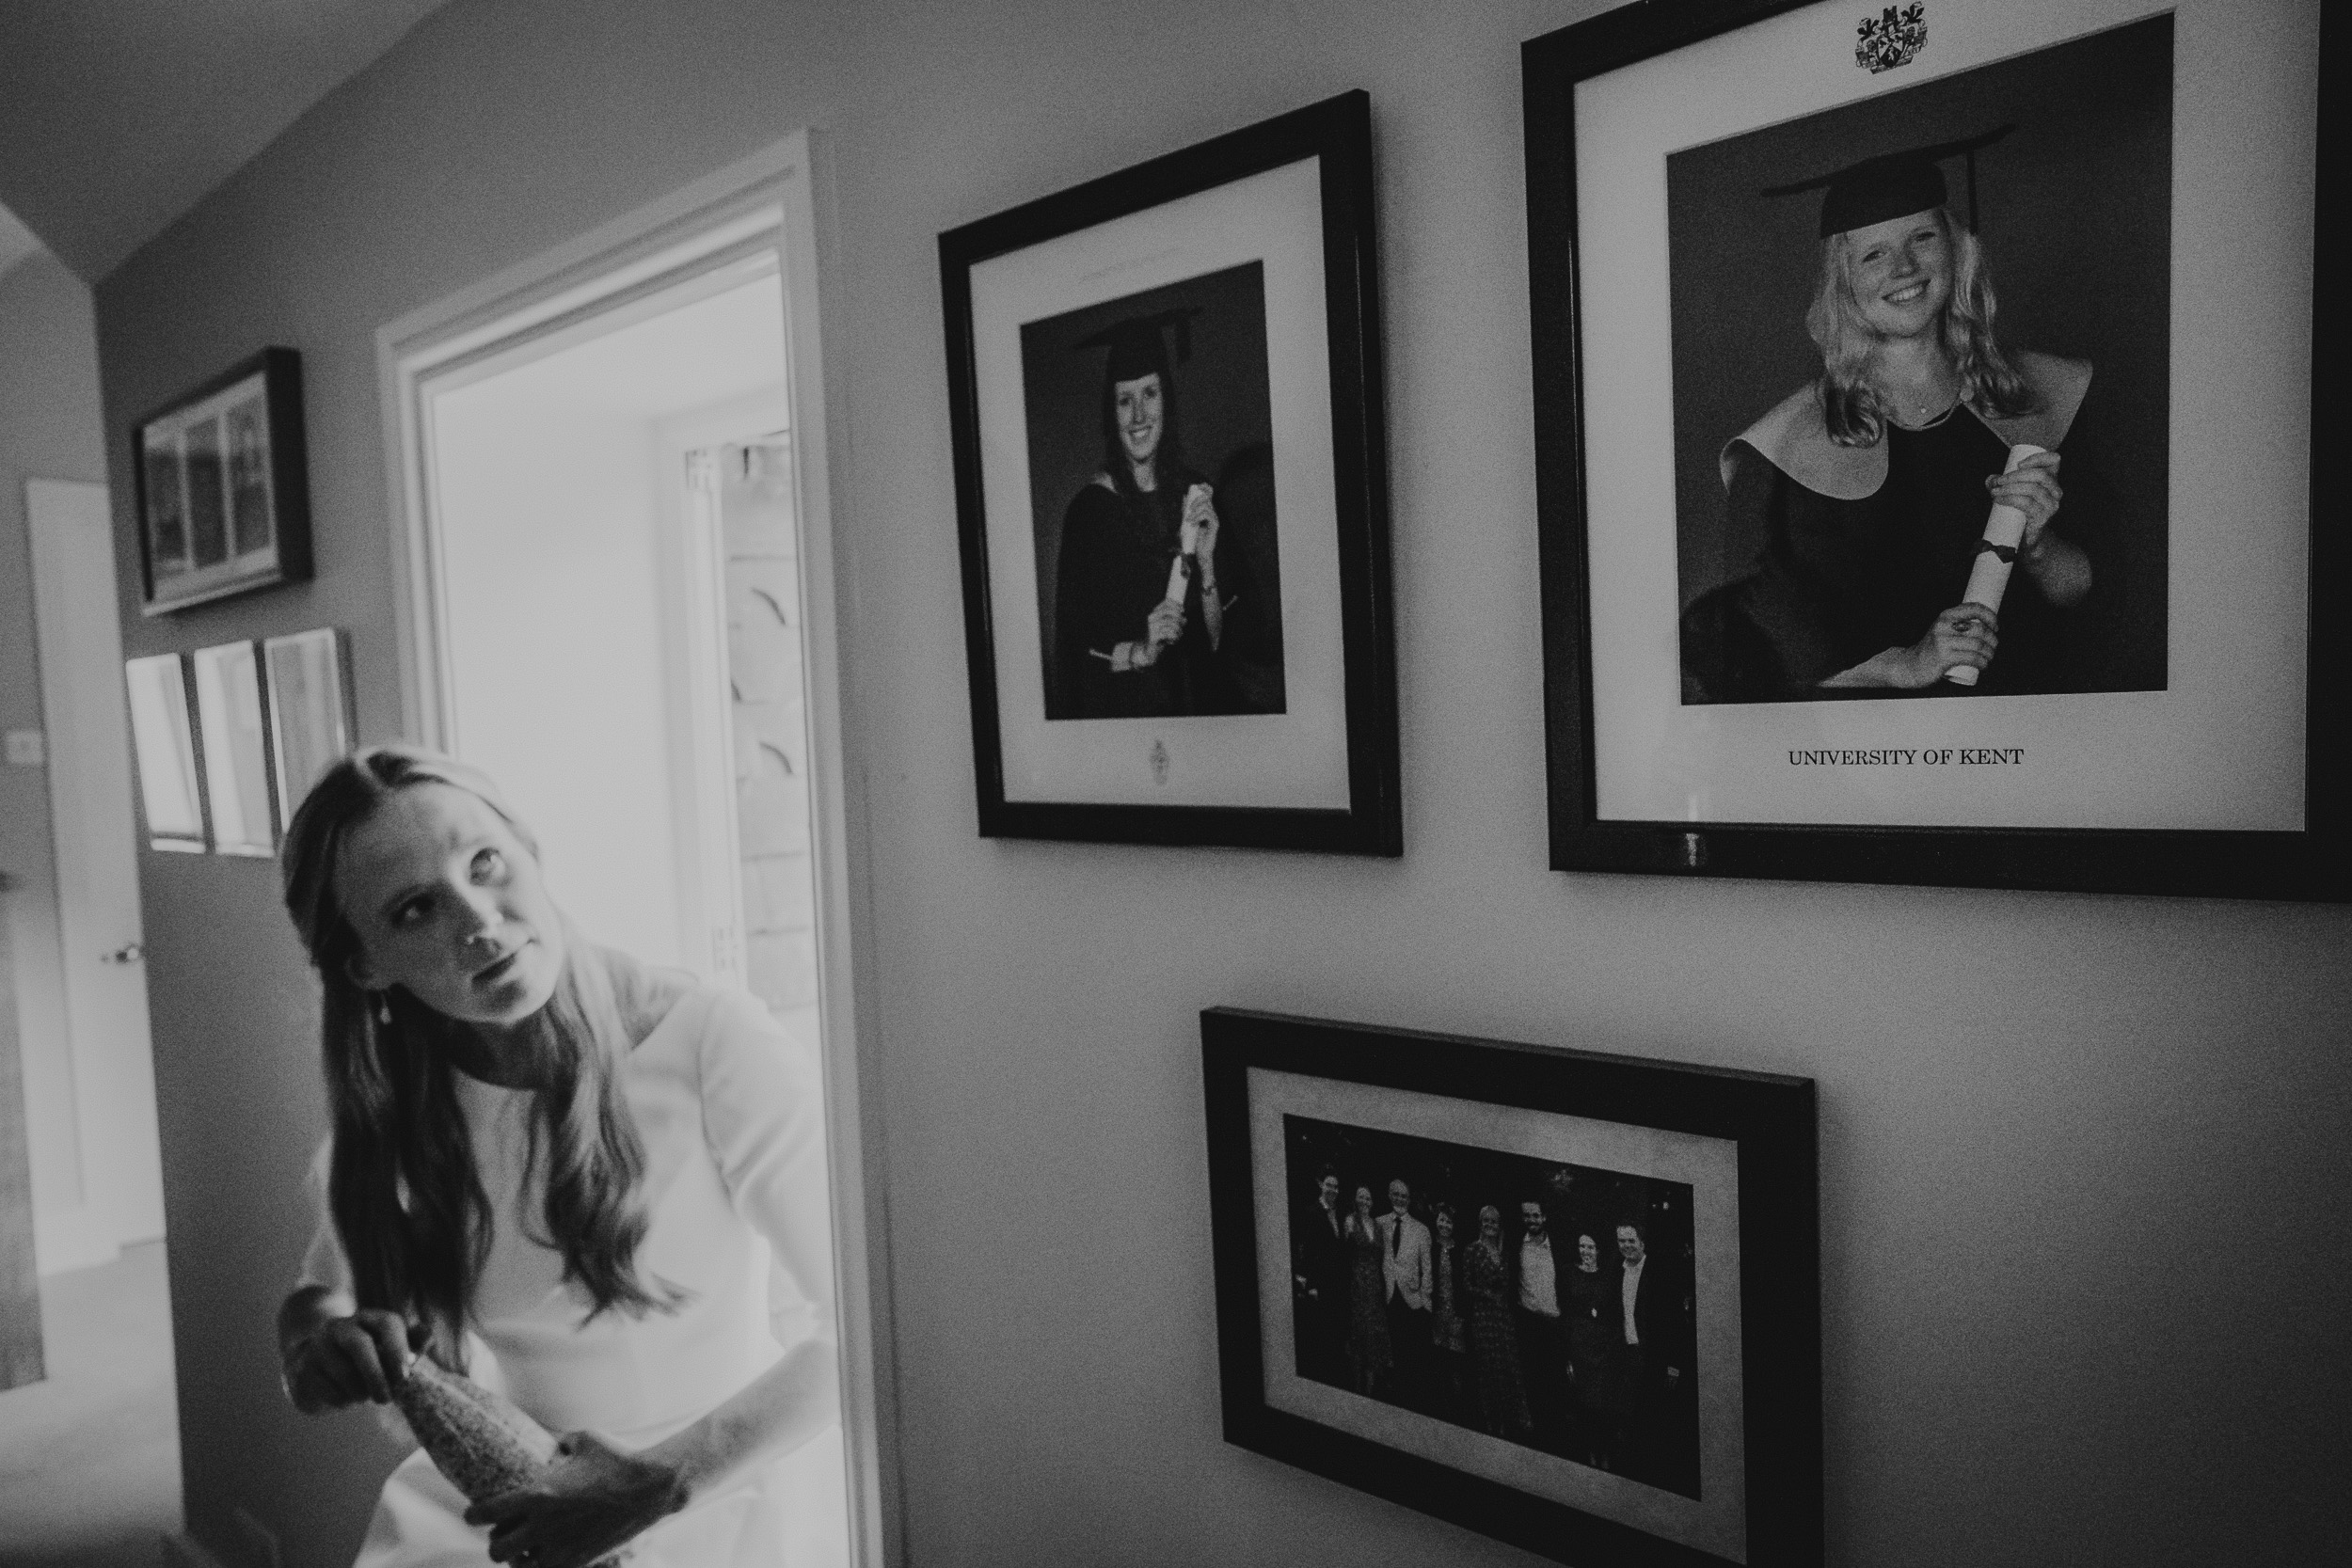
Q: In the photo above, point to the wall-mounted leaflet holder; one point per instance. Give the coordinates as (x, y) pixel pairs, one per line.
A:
(171, 790)
(236, 730)
(309, 710)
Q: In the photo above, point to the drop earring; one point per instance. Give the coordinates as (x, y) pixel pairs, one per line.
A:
(384, 1008)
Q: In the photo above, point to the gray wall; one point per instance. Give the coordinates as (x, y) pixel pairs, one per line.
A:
(2082, 1156)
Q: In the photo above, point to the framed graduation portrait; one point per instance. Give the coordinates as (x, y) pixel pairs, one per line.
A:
(1924, 410)
(1568, 1299)
(1171, 497)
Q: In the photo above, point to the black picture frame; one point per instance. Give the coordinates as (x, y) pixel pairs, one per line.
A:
(221, 479)
(2273, 860)
(1365, 818)
(1763, 1125)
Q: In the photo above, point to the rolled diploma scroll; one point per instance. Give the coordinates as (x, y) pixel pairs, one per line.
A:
(1179, 573)
(1180, 570)
(1996, 555)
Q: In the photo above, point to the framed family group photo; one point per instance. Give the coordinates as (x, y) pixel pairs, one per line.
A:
(223, 486)
(1925, 397)
(1565, 1299)
(1170, 483)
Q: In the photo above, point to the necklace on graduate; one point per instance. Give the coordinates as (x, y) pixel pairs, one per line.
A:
(1922, 415)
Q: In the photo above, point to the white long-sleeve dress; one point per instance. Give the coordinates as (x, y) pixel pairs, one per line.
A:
(729, 1109)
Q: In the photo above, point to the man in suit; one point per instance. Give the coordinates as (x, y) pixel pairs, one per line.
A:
(1656, 1321)
(1537, 1278)
(1405, 1267)
(1319, 1269)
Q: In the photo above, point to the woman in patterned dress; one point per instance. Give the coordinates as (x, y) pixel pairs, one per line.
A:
(1494, 1338)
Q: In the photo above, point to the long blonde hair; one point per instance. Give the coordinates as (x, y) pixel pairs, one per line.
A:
(402, 1183)
(1849, 405)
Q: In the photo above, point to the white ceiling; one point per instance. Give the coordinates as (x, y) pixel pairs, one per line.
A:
(117, 116)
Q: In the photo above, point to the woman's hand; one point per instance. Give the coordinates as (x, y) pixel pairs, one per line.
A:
(1965, 634)
(1161, 629)
(1164, 624)
(2033, 489)
(2055, 566)
(593, 1500)
(331, 1362)
(1195, 536)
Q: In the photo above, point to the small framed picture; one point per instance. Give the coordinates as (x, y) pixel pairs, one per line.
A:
(230, 716)
(309, 710)
(1924, 409)
(1565, 1299)
(171, 791)
(1171, 493)
(224, 501)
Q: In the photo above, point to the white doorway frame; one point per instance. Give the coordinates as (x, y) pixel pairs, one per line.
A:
(771, 203)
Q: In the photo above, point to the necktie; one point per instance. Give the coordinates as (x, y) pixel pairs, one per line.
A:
(1396, 1235)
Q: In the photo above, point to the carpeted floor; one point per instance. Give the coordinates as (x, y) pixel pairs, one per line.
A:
(89, 1458)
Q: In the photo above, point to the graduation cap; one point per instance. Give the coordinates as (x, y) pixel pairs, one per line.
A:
(1137, 346)
(1893, 185)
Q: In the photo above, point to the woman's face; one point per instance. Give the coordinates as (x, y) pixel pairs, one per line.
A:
(449, 906)
(1490, 1224)
(1587, 1254)
(1363, 1200)
(1445, 1226)
(1900, 272)
(1137, 407)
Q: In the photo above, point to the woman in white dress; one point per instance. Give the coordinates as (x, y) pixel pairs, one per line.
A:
(549, 1151)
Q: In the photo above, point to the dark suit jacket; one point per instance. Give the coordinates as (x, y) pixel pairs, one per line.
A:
(1662, 1315)
(1319, 1253)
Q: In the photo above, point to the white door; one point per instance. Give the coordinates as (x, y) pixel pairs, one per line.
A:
(112, 1082)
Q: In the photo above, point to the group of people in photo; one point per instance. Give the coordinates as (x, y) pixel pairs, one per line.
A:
(1552, 1322)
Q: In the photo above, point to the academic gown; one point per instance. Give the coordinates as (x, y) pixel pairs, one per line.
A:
(1118, 546)
(1864, 547)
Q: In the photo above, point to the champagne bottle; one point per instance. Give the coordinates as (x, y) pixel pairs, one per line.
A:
(480, 1440)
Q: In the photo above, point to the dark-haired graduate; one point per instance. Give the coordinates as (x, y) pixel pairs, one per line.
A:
(1155, 614)
(1870, 485)
(561, 1170)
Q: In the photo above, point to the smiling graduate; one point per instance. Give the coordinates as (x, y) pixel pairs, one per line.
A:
(1870, 485)
(1156, 613)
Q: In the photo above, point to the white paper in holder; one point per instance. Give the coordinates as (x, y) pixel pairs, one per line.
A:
(1989, 579)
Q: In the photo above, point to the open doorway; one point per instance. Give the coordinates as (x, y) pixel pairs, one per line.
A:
(89, 1456)
(605, 489)
(581, 591)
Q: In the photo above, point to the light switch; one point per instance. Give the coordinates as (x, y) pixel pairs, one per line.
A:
(27, 748)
